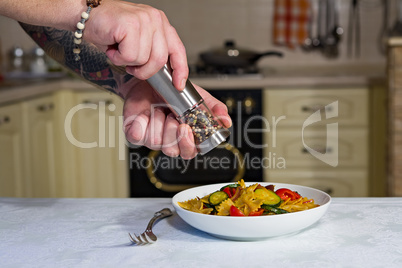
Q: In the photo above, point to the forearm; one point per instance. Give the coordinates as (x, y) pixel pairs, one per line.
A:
(61, 14)
(93, 66)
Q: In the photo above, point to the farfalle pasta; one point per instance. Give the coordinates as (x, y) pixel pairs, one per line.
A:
(254, 200)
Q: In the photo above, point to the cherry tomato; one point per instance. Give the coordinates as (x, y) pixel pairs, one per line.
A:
(285, 193)
(228, 192)
(234, 211)
(257, 213)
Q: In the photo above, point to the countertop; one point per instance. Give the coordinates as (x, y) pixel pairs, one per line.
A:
(331, 76)
(298, 77)
(355, 232)
(395, 41)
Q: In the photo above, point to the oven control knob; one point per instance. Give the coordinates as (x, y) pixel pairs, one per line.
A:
(230, 103)
(249, 104)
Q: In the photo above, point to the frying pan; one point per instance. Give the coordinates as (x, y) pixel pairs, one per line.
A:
(231, 56)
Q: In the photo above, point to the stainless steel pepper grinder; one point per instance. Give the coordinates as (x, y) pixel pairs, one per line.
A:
(189, 108)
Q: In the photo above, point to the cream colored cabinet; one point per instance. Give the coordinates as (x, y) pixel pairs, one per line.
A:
(65, 144)
(96, 129)
(41, 147)
(12, 162)
(320, 137)
(341, 183)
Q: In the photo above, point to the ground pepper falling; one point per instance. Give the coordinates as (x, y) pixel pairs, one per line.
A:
(202, 124)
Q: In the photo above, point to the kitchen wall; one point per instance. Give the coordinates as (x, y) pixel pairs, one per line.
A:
(208, 23)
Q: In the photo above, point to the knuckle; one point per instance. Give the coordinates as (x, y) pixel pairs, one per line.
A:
(142, 59)
(130, 58)
(160, 61)
(181, 48)
(157, 14)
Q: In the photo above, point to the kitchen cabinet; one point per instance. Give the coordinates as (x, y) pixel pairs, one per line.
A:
(321, 138)
(41, 147)
(101, 154)
(12, 162)
(64, 144)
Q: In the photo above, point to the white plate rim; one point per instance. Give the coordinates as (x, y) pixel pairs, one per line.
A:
(186, 195)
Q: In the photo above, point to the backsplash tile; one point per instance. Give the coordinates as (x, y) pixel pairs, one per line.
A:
(208, 23)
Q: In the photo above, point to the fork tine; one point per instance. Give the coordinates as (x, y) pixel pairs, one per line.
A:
(137, 240)
(148, 237)
(132, 238)
(144, 238)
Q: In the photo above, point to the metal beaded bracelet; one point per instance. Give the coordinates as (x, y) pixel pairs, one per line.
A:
(81, 26)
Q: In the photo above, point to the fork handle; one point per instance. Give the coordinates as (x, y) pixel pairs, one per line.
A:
(166, 212)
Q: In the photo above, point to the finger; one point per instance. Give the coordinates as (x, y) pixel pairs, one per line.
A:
(170, 145)
(134, 41)
(157, 59)
(125, 50)
(158, 55)
(177, 56)
(218, 108)
(186, 142)
(135, 128)
(220, 111)
(155, 130)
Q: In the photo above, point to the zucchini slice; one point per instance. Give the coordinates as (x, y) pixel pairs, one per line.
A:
(233, 185)
(269, 197)
(217, 197)
(270, 209)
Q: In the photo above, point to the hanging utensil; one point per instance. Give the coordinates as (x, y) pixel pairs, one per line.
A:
(321, 29)
(308, 42)
(312, 42)
(337, 30)
(354, 30)
(397, 29)
(332, 37)
(384, 34)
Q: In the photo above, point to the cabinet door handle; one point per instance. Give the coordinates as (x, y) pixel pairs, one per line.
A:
(45, 107)
(320, 149)
(329, 191)
(315, 107)
(89, 102)
(5, 119)
(107, 102)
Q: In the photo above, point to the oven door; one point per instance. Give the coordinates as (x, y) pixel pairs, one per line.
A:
(153, 174)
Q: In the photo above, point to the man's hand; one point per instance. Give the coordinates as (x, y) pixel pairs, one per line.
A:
(134, 35)
(139, 37)
(148, 122)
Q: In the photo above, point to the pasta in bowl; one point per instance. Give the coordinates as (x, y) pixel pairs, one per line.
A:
(219, 217)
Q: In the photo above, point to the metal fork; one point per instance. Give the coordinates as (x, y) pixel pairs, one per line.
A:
(148, 237)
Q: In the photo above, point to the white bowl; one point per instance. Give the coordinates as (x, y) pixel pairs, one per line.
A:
(257, 227)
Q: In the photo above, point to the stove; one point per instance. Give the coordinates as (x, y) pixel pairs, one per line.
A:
(244, 104)
(200, 70)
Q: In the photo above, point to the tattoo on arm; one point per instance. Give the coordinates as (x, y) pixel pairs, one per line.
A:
(93, 66)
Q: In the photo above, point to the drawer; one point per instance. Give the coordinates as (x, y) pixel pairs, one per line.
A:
(347, 148)
(344, 183)
(347, 106)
